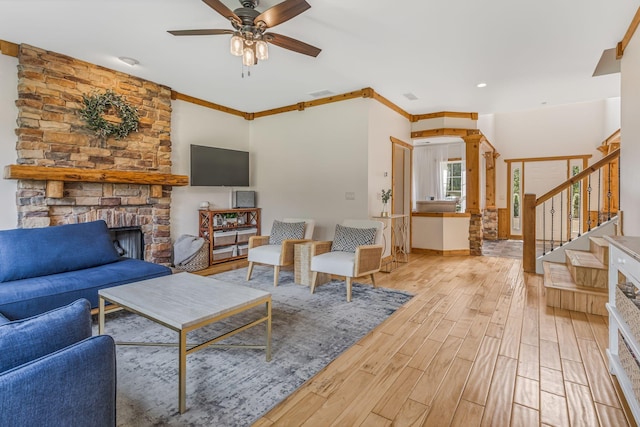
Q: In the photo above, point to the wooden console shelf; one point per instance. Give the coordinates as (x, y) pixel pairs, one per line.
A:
(228, 231)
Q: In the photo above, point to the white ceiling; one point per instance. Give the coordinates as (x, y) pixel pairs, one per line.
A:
(528, 52)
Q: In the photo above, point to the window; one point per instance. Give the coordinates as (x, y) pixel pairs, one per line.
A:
(454, 179)
(575, 194)
(516, 193)
(515, 200)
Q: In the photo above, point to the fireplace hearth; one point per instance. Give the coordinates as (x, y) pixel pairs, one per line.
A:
(128, 241)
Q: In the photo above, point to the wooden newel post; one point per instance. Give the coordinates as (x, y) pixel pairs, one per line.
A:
(529, 233)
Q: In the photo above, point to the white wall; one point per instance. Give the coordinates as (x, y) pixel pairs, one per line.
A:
(305, 162)
(486, 123)
(8, 138)
(551, 131)
(193, 124)
(383, 124)
(630, 138)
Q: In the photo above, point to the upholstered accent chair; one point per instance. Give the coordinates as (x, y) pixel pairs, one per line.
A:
(355, 251)
(277, 249)
(53, 372)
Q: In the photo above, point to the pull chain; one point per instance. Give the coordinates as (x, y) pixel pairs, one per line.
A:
(248, 71)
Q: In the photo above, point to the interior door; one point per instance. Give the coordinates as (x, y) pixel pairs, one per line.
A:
(398, 183)
(401, 185)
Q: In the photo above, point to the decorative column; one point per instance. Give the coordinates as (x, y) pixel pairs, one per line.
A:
(473, 192)
(490, 214)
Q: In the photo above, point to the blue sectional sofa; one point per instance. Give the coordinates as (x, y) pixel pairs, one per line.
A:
(45, 268)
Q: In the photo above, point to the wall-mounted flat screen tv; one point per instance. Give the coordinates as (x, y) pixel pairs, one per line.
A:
(212, 166)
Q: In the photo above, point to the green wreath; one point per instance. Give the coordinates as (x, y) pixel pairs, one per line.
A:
(94, 107)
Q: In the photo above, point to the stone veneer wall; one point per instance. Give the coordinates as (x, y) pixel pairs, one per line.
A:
(490, 224)
(475, 234)
(51, 133)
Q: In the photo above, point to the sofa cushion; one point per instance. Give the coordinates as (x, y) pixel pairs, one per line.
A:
(28, 297)
(347, 239)
(33, 252)
(337, 262)
(266, 254)
(27, 339)
(285, 230)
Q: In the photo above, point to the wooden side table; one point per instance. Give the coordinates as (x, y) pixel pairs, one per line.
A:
(302, 266)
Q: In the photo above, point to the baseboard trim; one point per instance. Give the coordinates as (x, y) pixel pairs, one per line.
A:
(455, 252)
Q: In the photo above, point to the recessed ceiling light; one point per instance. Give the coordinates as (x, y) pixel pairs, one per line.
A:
(410, 96)
(129, 61)
(544, 103)
(481, 85)
(319, 93)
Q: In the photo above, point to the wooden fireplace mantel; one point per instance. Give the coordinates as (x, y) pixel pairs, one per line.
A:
(56, 177)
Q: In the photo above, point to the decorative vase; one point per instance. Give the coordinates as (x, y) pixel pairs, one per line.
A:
(384, 212)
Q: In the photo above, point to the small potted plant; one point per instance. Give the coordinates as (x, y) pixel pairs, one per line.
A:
(230, 218)
(386, 196)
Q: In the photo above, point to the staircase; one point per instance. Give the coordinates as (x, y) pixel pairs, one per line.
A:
(581, 283)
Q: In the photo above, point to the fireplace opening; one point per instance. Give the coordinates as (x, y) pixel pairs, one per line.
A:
(128, 241)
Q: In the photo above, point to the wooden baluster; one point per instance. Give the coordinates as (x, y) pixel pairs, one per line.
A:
(544, 228)
(529, 233)
(589, 203)
(609, 191)
(599, 195)
(579, 208)
(570, 214)
(561, 218)
(552, 211)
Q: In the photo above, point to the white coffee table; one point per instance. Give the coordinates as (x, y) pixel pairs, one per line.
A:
(185, 302)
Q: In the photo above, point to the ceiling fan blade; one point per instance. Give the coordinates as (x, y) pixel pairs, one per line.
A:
(223, 10)
(282, 12)
(199, 32)
(292, 44)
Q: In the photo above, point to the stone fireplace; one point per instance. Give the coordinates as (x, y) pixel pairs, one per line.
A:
(128, 241)
(53, 137)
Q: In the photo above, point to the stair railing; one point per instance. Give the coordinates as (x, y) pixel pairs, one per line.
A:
(566, 215)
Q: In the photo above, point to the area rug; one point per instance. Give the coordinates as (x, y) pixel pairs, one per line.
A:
(235, 387)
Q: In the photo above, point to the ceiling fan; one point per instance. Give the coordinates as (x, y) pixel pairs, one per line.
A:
(249, 37)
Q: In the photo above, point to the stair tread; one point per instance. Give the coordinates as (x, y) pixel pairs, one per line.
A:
(558, 276)
(600, 241)
(584, 259)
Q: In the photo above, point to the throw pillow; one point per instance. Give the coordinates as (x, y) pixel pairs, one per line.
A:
(33, 252)
(347, 239)
(28, 339)
(284, 231)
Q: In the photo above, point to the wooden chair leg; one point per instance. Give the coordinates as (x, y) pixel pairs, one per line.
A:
(348, 280)
(249, 270)
(373, 280)
(276, 273)
(314, 278)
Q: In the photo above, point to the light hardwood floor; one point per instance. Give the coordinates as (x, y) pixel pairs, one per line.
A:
(476, 346)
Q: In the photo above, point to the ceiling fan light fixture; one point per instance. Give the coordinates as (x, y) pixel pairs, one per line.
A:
(248, 37)
(262, 50)
(237, 45)
(248, 57)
